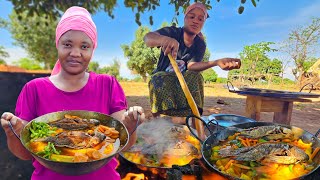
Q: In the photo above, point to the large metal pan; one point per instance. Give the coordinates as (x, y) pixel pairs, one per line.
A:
(146, 165)
(222, 134)
(271, 92)
(78, 168)
(226, 120)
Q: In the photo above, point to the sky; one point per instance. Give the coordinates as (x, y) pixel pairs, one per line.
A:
(227, 32)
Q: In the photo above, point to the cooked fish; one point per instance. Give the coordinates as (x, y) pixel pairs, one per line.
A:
(75, 139)
(270, 152)
(75, 123)
(270, 132)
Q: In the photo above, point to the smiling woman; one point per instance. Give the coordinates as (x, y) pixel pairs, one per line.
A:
(71, 87)
(75, 50)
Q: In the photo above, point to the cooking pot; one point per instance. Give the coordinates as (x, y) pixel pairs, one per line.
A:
(225, 120)
(154, 127)
(222, 134)
(76, 168)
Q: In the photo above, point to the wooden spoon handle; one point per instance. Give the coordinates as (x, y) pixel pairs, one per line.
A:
(191, 102)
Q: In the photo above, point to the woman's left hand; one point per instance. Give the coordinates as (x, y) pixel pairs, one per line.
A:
(133, 117)
(229, 63)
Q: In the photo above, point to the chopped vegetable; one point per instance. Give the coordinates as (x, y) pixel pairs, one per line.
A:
(262, 140)
(48, 151)
(62, 158)
(40, 130)
(245, 177)
(290, 167)
(253, 164)
(314, 153)
(241, 166)
(262, 169)
(229, 164)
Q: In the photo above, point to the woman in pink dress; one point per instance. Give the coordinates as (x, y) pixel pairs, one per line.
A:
(70, 87)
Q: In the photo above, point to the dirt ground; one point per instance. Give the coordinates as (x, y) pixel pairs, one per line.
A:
(305, 116)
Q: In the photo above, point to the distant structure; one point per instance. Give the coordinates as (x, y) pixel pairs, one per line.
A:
(312, 76)
(16, 69)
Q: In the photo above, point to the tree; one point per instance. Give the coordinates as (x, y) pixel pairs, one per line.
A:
(273, 69)
(209, 75)
(53, 9)
(113, 69)
(28, 64)
(36, 36)
(142, 59)
(254, 62)
(207, 54)
(300, 45)
(94, 66)
(4, 54)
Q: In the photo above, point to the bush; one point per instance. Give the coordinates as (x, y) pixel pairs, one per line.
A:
(209, 75)
(137, 79)
(288, 81)
(276, 80)
(222, 80)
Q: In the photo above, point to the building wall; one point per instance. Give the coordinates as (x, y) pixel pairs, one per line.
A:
(11, 84)
(10, 87)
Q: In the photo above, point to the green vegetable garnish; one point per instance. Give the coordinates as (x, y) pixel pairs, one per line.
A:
(40, 130)
(262, 140)
(48, 151)
(290, 167)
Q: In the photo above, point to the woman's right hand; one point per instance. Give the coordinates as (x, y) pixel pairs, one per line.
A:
(16, 123)
(170, 45)
(14, 144)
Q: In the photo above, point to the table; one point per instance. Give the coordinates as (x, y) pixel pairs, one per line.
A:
(281, 107)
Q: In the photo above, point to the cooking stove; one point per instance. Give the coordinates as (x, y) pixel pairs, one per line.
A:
(196, 170)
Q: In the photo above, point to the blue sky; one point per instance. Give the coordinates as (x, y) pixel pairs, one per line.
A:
(227, 32)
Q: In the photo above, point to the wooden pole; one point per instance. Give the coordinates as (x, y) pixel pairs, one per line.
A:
(192, 104)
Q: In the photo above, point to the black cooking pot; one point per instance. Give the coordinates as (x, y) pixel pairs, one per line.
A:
(77, 168)
(221, 134)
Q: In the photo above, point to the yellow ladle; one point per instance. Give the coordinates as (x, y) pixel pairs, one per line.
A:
(191, 102)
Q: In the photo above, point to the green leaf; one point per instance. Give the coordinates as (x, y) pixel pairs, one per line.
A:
(254, 3)
(240, 9)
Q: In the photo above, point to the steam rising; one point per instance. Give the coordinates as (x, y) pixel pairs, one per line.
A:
(161, 137)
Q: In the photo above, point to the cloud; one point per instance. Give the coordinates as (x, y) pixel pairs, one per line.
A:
(15, 54)
(303, 15)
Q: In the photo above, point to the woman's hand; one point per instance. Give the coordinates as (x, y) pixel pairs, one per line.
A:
(229, 63)
(170, 45)
(16, 123)
(14, 144)
(132, 120)
(133, 117)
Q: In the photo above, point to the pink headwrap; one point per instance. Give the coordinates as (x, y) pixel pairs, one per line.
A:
(75, 18)
(197, 5)
(200, 6)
